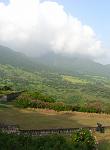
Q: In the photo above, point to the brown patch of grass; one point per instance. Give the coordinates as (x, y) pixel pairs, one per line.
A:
(102, 136)
(43, 118)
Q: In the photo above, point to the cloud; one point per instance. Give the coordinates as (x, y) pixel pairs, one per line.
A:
(35, 27)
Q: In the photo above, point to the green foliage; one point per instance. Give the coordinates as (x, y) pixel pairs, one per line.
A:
(30, 100)
(37, 100)
(23, 101)
(90, 107)
(58, 106)
(55, 142)
(19, 60)
(83, 140)
(43, 97)
(52, 87)
(104, 145)
(3, 106)
(75, 80)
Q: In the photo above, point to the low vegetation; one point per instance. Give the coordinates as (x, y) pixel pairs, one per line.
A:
(83, 139)
(42, 118)
(38, 100)
(53, 142)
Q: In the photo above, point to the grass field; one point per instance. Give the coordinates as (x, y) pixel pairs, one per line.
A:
(74, 80)
(38, 118)
(103, 139)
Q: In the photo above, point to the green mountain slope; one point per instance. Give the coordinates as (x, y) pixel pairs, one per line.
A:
(78, 65)
(53, 63)
(69, 89)
(70, 80)
(16, 59)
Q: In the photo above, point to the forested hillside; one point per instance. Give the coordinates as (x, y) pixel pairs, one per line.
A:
(16, 59)
(70, 89)
(75, 65)
(75, 85)
(51, 62)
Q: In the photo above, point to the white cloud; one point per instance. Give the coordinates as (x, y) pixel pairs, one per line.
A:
(33, 27)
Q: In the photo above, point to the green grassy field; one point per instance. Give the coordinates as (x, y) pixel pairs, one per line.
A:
(41, 118)
(75, 80)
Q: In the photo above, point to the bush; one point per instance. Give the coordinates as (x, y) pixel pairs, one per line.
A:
(23, 101)
(43, 97)
(75, 108)
(15, 142)
(58, 106)
(83, 140)
(94, 106)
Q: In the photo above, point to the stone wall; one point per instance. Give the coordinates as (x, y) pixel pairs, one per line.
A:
(42, 132)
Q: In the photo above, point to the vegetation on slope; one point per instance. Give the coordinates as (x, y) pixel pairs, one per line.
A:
(55, 86)
(77, 86)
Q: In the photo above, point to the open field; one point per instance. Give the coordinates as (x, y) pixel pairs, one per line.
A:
(74, 80)
(41, 118)
(103, 139)
(38, 118)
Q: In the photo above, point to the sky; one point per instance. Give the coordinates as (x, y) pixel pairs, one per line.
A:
(62, 26)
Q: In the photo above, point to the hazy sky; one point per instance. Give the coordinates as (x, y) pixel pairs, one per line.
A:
(63, 26)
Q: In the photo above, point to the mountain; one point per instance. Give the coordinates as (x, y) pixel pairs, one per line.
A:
(72, 80)
(16, 59)
(54, 63)
(75, 65)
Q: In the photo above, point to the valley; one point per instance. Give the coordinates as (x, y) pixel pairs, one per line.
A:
(55, 87)
(54, 75)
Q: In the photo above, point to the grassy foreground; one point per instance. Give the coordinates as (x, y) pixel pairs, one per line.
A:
(103, 139)
(41, 118)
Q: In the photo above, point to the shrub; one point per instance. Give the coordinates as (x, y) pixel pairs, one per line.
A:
(43, 97)
(18, 142)
(58, 106)
(95, 106)
(75, 108)
(83, 140)
(23, 101)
